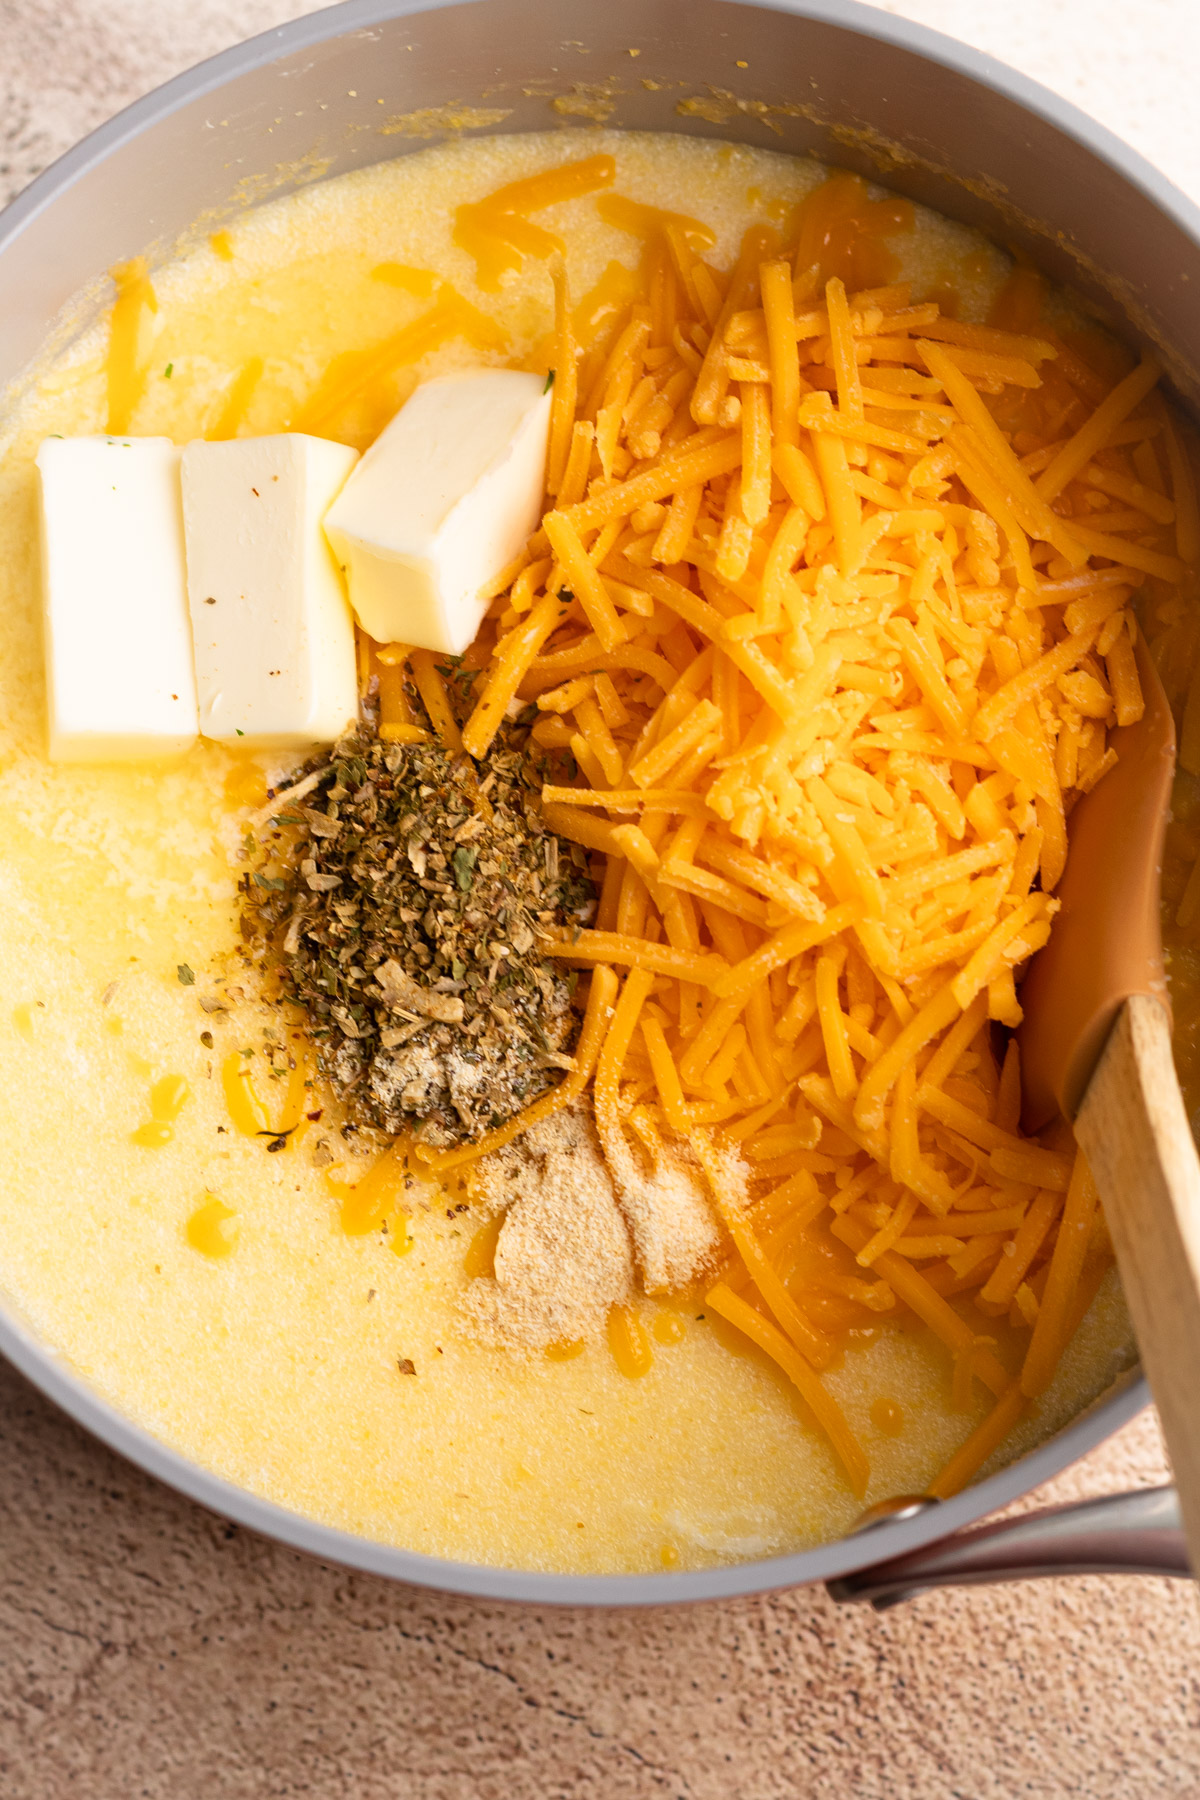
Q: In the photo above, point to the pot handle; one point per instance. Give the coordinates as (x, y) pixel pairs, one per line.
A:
(1137, 1533)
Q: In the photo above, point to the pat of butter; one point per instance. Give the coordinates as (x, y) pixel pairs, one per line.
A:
(118, 644)
(440, 504)
(274, 639)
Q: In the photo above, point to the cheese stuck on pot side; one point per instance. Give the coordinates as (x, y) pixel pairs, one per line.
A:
(118, 643)
(274, 639)
(440, 503)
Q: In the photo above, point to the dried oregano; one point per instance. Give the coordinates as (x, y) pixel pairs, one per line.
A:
(400, 893)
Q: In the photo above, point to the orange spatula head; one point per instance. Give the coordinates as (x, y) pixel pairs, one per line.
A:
(1107, 940)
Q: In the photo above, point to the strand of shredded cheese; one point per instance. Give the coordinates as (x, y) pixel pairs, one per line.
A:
(826, 633)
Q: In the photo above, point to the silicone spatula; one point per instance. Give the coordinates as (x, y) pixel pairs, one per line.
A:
(1096, 1047)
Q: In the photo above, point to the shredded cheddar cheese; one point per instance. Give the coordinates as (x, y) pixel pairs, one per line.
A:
(824, 632)
(125, 365)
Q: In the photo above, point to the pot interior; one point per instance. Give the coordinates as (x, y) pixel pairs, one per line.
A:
(364, 83)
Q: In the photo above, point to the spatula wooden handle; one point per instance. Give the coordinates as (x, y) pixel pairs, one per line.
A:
(1134, 1131)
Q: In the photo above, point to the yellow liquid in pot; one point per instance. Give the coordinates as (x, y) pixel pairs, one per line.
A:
(206, 1287)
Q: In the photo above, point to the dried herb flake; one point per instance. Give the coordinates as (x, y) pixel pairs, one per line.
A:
(464, 861)
(408, 925)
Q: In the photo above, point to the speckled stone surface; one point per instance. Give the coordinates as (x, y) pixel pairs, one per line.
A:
(148, 1649)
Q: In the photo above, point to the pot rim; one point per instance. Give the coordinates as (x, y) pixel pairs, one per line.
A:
(353, 16)
(50, 1372)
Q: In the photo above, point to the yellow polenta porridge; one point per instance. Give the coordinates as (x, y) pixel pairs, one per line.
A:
(536, 745)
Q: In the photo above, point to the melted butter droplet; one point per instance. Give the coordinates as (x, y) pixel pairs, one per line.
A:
(887, 1416)
(242, 1101)
(366, 1205)
(212, 1229)
(245, 785)
(152, 1135)
(168, 1098)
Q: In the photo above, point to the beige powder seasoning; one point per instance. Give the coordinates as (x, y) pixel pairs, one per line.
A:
(674, 1231)
(564, 1255)
(575, 1220)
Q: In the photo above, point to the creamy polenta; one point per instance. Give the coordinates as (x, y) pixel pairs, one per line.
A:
(202, 1282)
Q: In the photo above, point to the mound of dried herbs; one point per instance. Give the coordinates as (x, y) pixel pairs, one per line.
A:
(400, 893)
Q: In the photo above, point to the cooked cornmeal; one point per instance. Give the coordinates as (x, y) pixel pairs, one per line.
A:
(828, 619)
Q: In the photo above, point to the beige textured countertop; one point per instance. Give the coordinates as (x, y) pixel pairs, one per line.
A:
(146, 1649)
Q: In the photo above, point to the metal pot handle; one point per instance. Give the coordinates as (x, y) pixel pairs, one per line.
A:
(1138, 1533)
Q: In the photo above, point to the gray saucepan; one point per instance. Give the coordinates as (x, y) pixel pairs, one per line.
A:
(853, 86)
